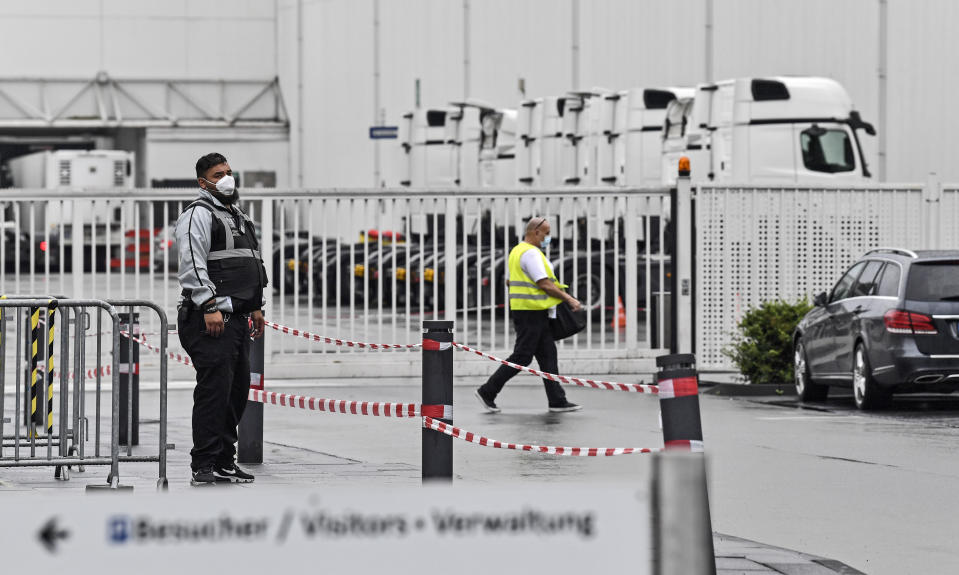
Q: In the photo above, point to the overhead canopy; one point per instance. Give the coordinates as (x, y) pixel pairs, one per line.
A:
(105, 102)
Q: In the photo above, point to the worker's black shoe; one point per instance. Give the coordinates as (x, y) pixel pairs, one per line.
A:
(232, 473)
(487, 404)
(203, 477)
(565, 406)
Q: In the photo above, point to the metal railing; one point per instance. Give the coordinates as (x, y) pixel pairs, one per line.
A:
(27, 358)
(369, 264)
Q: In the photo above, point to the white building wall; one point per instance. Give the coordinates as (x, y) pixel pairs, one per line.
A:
(138, 38)
(623, 44)
(923, 58)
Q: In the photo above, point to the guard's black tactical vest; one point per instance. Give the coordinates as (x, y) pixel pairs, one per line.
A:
(234, 260)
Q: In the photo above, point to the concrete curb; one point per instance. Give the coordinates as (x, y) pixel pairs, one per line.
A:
(746, 389)
(735, 555)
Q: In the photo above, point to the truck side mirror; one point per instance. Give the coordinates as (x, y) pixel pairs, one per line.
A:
(856, 122)
(820, 299)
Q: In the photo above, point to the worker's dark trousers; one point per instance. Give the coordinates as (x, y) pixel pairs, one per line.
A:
(533, 339)
(222, 385)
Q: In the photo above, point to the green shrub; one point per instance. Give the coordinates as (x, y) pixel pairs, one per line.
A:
(762, 345)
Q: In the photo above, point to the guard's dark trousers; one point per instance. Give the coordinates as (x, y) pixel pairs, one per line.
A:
(533, 339)
(222, 385)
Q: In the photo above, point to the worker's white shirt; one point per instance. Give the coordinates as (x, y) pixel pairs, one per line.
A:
(532, 265)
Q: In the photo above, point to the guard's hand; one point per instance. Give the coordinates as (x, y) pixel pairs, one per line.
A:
(258, 324)
(214, 323)
(575, 304)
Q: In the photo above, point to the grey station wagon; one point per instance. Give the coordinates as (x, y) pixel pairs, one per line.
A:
(890, 325)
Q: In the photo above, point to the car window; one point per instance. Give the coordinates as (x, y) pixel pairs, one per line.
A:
(889, 282)
(844, 285)
(866, 285)
(933, 281)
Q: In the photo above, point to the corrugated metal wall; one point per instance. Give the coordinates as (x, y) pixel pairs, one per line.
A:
(623, 44)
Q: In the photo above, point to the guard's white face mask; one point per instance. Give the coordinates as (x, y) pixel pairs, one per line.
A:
(225, 185)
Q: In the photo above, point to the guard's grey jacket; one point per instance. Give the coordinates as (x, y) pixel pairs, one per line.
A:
(219, 257)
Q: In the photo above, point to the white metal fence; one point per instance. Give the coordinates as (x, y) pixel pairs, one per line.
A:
(366, 265)
(757, 244)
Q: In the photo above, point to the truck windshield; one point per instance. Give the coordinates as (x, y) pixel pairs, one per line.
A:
(676, 114)
(827, 150)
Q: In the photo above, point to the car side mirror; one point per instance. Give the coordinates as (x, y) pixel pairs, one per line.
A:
(820, 299)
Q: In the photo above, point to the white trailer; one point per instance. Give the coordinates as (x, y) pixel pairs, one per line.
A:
(594, 138)
(781, 130)
(72, 170)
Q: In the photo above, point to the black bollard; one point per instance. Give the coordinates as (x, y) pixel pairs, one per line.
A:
(682, 527)
(437, 390)
(129, 380)
(679, 401)
(249, 448)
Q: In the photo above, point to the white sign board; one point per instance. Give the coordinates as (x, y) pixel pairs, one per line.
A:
(261, 529)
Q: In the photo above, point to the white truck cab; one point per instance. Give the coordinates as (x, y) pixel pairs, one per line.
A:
(780, 130)
(428, 156)
(497, 147)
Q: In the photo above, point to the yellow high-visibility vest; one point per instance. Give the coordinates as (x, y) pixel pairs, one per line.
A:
(524, 294)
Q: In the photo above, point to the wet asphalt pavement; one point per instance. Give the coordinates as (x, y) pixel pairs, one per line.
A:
(875, 491)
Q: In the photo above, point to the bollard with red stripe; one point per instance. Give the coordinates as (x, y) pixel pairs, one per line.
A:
(679, 402)
(249, 447)
(682, 530)
(129, 379)
(437, 390)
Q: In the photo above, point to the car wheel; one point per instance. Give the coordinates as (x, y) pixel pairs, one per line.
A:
(806, 389)
(866, 392)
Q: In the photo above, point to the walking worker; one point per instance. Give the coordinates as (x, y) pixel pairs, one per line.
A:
(222, 277)
(534, 293)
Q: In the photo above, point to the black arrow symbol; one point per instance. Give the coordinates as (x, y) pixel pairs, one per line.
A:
(49, 535)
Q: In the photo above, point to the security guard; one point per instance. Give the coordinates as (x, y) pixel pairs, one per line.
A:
(534, 292)
(222, 277)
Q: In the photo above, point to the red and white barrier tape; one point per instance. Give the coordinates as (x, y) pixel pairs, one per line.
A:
(685, 445)
(90, 373)
(430, 423)
(142, 333)
(375, 408)
(678, 387)
(184, 359)
(610, 385)
(333, 340)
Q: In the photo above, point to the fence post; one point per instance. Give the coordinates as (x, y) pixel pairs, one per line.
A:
(682, 531)
(76, 250)
(931, 211)
(129, 380)
(631, 230)
(448, 273)
(683, 258)
(249, 447)
(437, 390)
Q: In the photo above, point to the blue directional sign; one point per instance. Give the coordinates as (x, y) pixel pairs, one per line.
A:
(384, 132)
